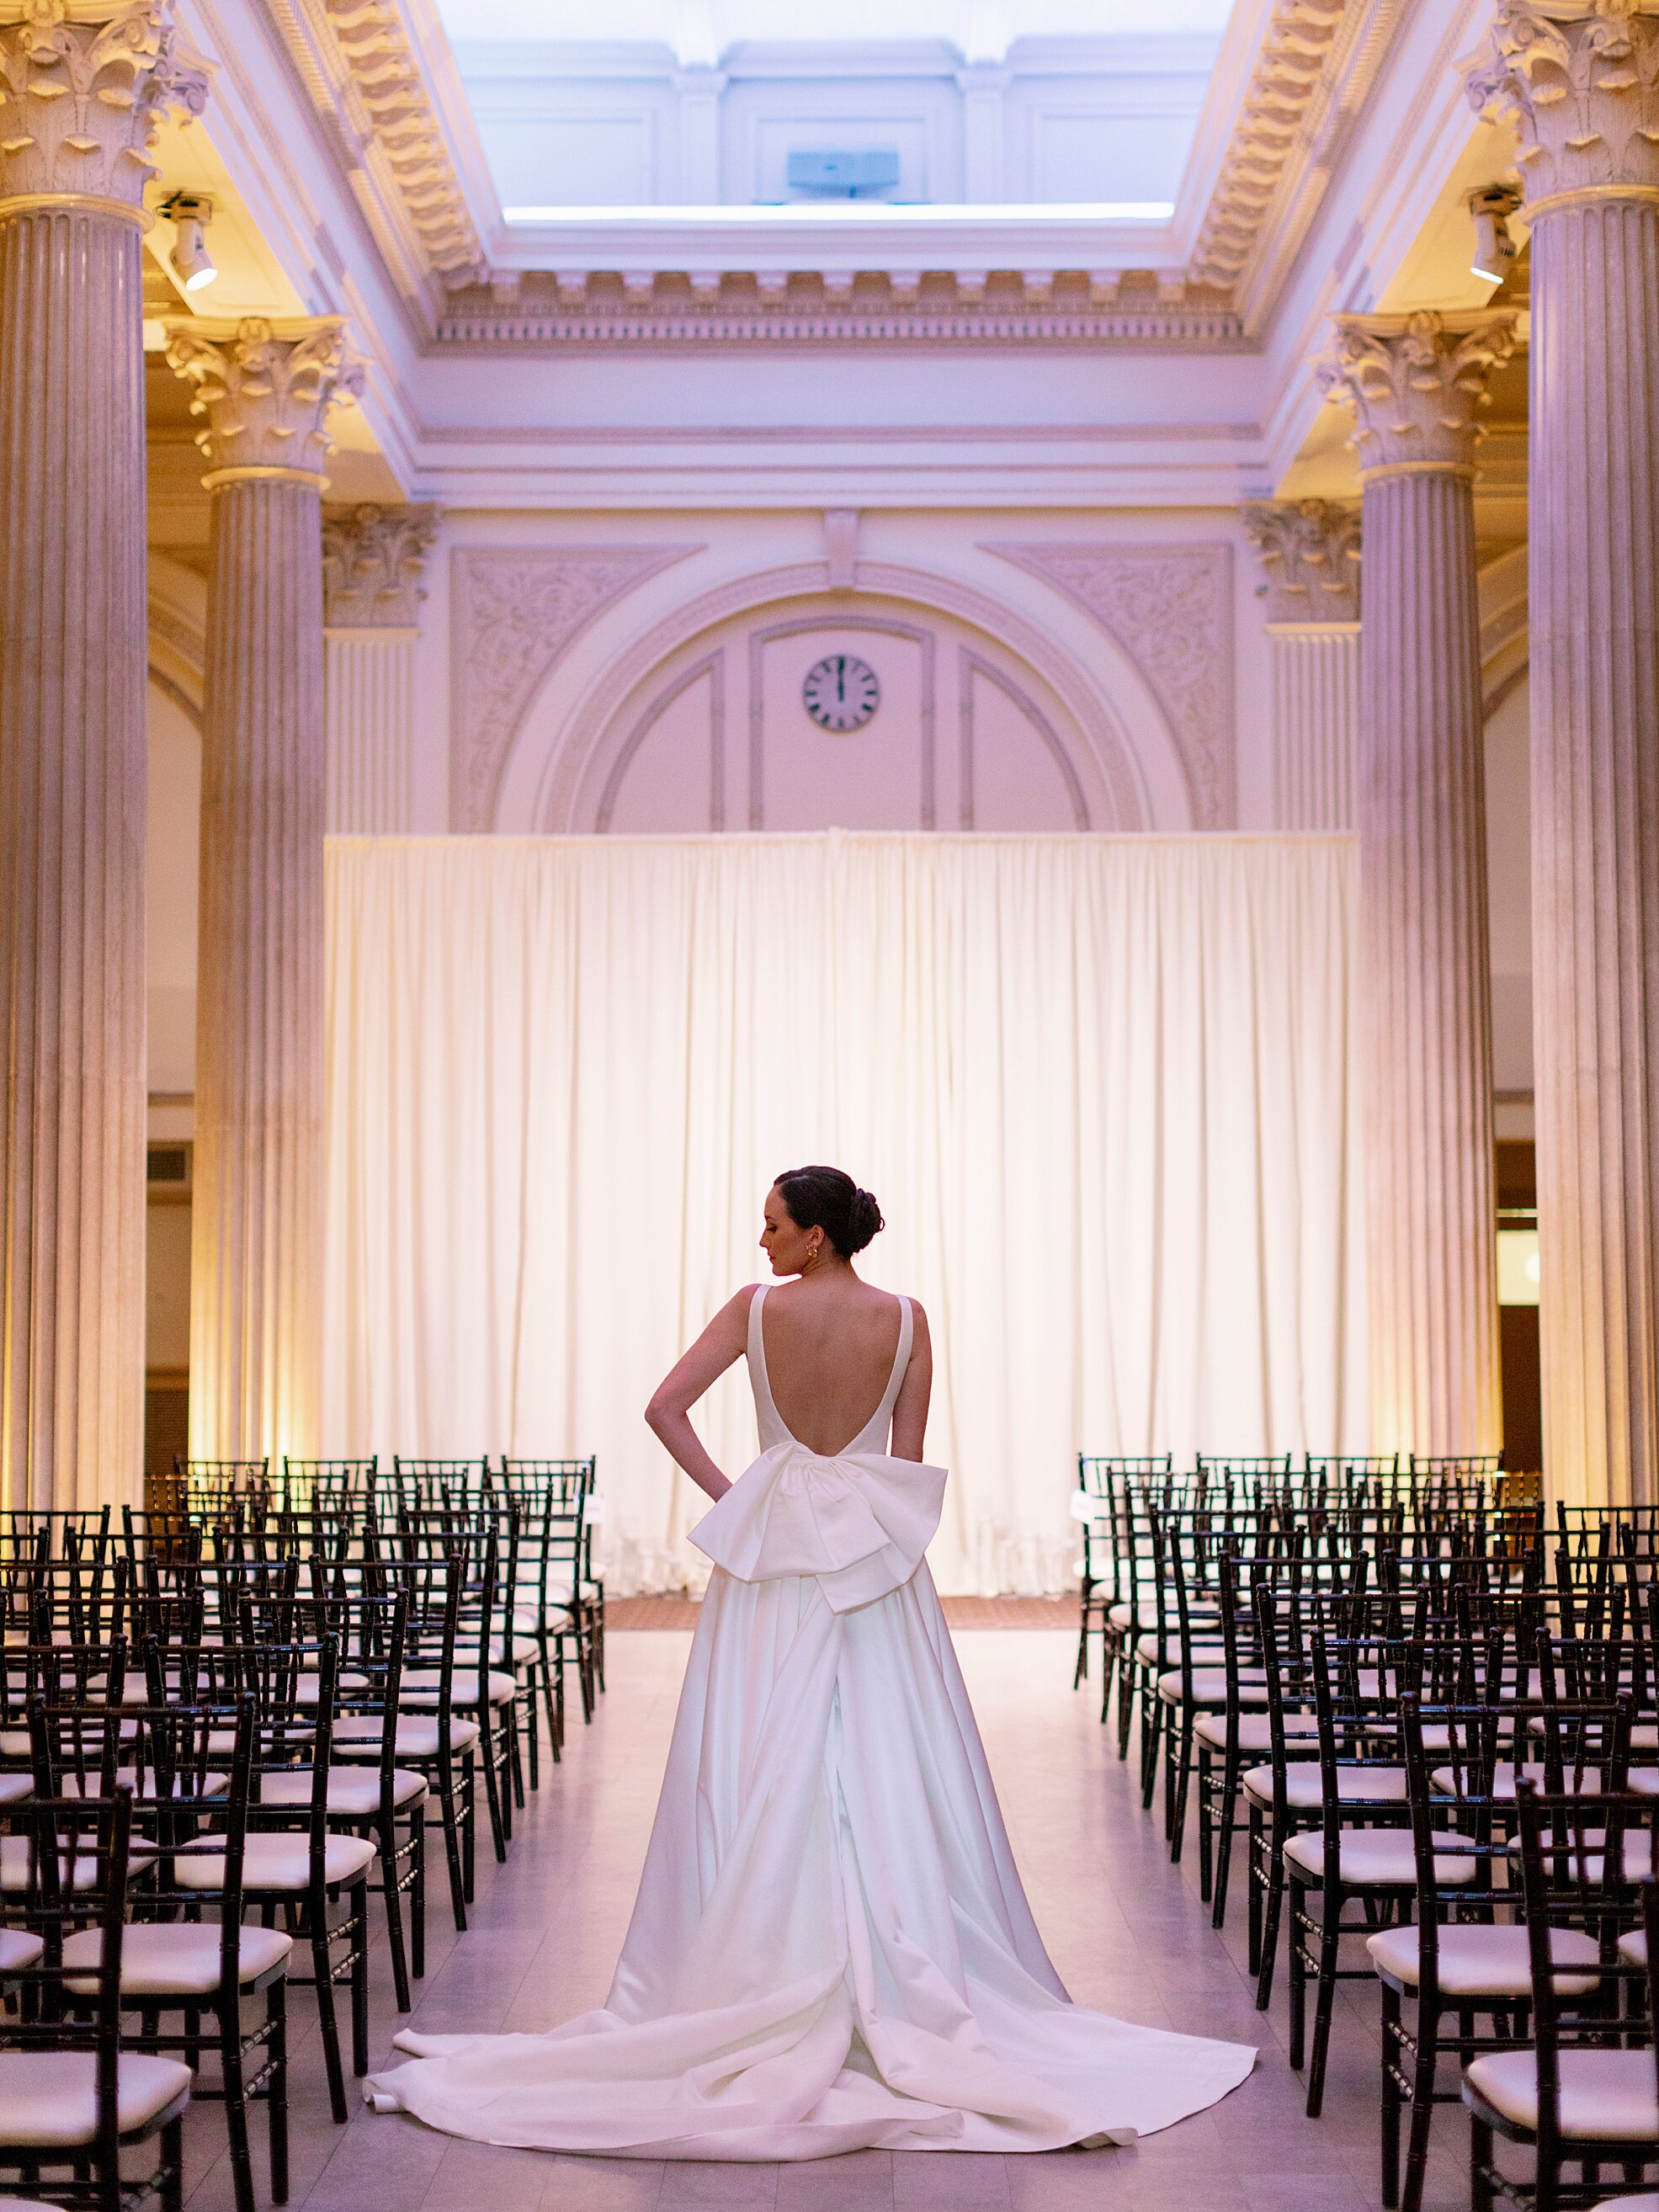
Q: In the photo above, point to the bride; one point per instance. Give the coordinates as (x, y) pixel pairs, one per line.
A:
(831, 1950)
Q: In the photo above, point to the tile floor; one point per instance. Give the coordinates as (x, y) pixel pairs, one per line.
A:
(1125, 1930)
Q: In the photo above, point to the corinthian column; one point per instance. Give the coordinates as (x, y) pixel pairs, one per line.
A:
(1310, 551)
(256, 1254)
(1415, 384)
(372, 559)
(79, 104)
(1582, 85)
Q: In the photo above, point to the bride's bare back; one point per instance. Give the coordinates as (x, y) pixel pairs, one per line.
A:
(830, 1340)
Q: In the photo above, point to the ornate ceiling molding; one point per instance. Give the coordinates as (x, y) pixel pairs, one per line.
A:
(603, 314)
(1317, 64)
(1171, 609)
(514, 611)
(361, 67)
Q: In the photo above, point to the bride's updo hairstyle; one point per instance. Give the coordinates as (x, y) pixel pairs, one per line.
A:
(825, 1198)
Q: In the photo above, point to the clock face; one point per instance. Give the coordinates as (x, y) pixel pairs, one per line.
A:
(841, 692)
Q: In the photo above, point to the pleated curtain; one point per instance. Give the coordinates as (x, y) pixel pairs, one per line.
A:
(1102, 1087)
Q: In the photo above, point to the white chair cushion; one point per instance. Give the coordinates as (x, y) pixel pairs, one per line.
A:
(1210, 1648)
(17, 1856)
(1606, 2095)
(1647, 2202)
(49, 2099)
(173, 1958)
(277, 1863)
(1209, 1688)
(14, 1788)
(422, 1685)
(1580, 1862)
(1485, 1962)
(1591, 1783)
(1256, 1731)
(355, 1793)
(1378, 1858)
(19, 1950)
(1356, 1785)
(525, 1650)
(1633, 1948)
(417, 1739)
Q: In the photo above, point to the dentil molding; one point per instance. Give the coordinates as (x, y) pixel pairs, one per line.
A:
(1416, 385)
(361, 67)
(1581, 84)
(81, 102)
(374, 558)
(265, 390)
(514, 613)
(1171, 609)
(1309, 551)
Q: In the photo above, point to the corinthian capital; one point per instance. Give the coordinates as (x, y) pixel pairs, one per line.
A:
(1310, 553)
(1416, 385)
(373, 560)
(1581, 83)
(263, 392)
(80, 101)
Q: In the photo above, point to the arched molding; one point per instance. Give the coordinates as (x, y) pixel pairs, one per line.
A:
(975, 664)
(712, 666)
(800, 625)
(177, 616)
(1134, 750)
(1505, 639)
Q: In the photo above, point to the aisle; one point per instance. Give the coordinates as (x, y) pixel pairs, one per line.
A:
(1125, 1931)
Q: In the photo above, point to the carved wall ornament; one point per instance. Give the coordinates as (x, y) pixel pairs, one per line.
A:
(513, 614)
(374, 558)
(1581, 84)
(81, 102)
(1309, 551)
(1171, 609)
(264, 390)
(1416, 384)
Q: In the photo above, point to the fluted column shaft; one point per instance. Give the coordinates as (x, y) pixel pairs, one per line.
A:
(1594, 588)
(1315, 669)
(1432, 1287)
(1578, 80)
(256, 1257)
(72, 804)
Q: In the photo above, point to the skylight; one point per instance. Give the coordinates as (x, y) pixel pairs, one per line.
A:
(724, 113)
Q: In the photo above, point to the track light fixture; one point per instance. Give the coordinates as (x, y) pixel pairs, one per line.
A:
(189, 214)
(1494, 245)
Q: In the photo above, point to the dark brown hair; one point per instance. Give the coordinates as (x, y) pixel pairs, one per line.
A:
(825, 1198)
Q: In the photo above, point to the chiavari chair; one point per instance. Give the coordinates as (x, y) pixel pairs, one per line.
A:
(1098, 1581)
(1583, 2094)
(70, 2096)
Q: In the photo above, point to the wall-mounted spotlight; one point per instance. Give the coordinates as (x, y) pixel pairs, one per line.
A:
(1494, 244)
(191, 214)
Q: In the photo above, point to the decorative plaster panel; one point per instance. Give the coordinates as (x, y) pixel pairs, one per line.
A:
(514, 613)
(1171, 608)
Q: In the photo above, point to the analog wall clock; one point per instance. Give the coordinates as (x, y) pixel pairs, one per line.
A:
(841, 691)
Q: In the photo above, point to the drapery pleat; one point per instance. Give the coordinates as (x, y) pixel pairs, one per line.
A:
(1103, 1088)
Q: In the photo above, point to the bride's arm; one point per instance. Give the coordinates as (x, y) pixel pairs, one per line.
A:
(724, 1340)
(910, 1413)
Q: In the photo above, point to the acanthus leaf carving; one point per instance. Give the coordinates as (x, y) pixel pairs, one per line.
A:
(265, 391)
(1416, 384)
(80, 101)
(1310, 551)
(1169, 608)
(1580, 83)
(374, 558)
(514, 615)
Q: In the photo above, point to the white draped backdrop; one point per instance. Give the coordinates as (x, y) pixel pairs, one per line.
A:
(1103, 1088)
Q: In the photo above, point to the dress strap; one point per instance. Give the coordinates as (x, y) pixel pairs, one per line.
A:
(760, 1381)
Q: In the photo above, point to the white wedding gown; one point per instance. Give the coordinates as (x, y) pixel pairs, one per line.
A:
(830, 1949)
